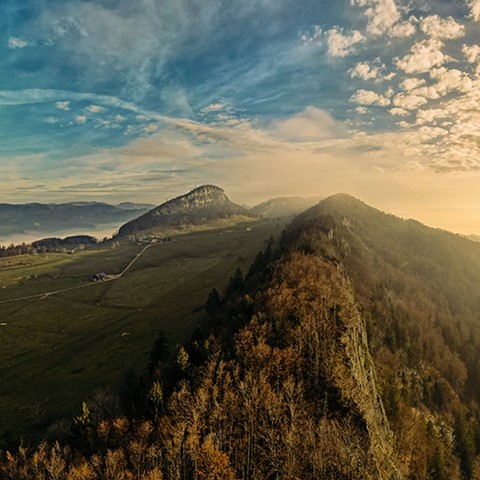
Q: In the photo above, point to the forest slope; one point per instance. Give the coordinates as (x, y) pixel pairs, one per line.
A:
(350, 350)
(418, 291)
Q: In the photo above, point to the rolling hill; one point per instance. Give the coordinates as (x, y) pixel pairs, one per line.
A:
(283, 206)
(198, 207)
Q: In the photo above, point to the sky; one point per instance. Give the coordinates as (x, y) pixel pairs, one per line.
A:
(142, 100)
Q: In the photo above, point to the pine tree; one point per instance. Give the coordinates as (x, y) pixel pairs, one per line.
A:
(159, 352)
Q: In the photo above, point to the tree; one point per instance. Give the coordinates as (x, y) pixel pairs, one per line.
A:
(465, 443)
(214, 302)
(183, 360)
(156, 400)
(82, 428)
(159, 352)
(236, 284)
(213, 464)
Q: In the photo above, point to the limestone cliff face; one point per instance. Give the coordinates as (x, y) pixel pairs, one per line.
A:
(197, 207)
(330, 336)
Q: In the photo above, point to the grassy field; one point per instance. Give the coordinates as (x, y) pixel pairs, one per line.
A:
(58, 350)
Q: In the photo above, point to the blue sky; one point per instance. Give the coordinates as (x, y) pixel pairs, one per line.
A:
(143, 99)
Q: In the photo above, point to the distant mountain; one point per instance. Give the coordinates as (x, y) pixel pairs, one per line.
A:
(283, 206)
(135, 206)
(198, 207)
(32, 217)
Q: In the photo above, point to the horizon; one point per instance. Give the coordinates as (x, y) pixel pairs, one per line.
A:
(139, 100)
(103, 230)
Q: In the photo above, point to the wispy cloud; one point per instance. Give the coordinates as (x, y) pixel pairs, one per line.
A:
(16, 42)
(64, 105)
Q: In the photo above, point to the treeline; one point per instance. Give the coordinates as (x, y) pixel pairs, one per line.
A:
(48, 245)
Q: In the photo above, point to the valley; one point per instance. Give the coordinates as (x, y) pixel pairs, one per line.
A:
(60, 349)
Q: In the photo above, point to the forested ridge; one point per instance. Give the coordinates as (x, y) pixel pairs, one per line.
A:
(349, 350)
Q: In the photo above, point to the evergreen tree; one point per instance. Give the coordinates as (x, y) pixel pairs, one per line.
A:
(214, 302)
(236, 284)
(159, 352)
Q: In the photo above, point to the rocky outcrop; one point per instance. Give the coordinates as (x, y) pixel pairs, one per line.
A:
(329, 334)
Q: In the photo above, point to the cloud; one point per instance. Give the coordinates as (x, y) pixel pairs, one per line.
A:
(340, 44)
(64, 105)
(412, 83)
(214, 107)
(365, 71)
(361, 110)
(95, 109)
(150, 128)
(430, 115)
(437, 27)
(474, 6)
(134, 43)
(404, 29)
(409, 102)
(399, 112)
(382, 15)
(16, 42)
(451, 79)
(423, 56)
(314, 36)
(119, 118)
(367, 97)
(313, 124)
(80, 119)
(51, 120)
(471, 52)
(37, 96)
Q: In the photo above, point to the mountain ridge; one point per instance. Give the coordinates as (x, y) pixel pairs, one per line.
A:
(197, 207)
(417, 288)
(53, 217)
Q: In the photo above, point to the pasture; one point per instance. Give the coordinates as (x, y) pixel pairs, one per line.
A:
(58, 350)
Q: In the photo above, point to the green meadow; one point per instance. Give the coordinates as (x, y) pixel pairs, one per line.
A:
(58, 350)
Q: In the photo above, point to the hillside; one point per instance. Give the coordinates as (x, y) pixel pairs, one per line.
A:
(38, 217)
(417, 288)
(72, 343)
(283, 206)
(198, 207)
(349, 351)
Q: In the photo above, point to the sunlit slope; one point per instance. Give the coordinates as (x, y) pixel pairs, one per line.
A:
(418, 290)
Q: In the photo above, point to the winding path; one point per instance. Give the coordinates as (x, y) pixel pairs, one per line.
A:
(110, 279)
